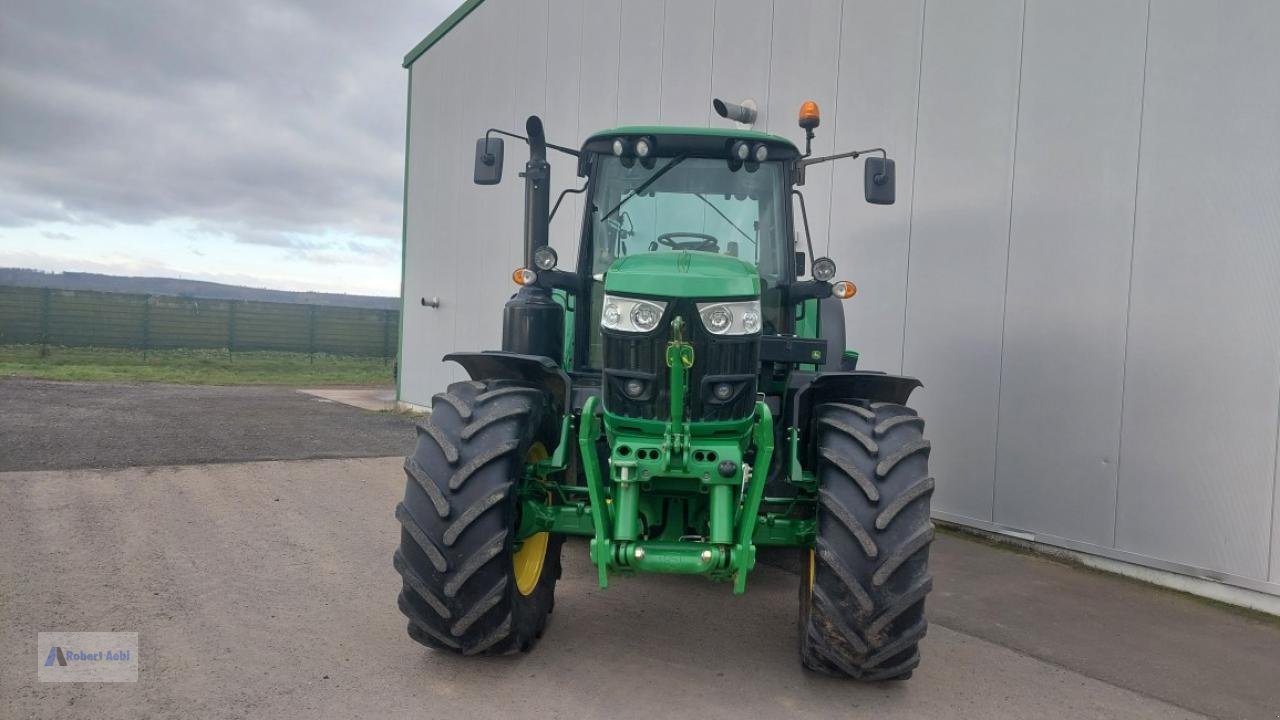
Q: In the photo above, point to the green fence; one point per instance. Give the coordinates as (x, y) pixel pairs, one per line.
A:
(151, 322)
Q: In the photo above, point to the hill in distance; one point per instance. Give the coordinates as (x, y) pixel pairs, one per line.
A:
(22, 277)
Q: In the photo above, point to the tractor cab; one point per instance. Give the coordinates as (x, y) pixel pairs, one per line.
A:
(688, 196)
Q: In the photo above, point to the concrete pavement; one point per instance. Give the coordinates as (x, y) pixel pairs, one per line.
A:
(63, 425)
(376, 399)
(266, 589)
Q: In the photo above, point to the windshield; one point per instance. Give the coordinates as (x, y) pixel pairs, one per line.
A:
(683, 203)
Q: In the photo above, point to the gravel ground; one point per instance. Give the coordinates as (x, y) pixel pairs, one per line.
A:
(64, 425)
(266, 590)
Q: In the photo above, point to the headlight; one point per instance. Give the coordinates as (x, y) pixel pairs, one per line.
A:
(645, 316)
(731, 318)
(630, 314)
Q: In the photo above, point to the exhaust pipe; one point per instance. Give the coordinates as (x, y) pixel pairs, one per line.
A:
(532, 321)
(738, 113)
(537, 190)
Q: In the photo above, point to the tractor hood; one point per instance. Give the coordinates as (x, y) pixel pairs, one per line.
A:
(683, 274)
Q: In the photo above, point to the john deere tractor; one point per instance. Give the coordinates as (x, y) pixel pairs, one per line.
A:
(682, 397)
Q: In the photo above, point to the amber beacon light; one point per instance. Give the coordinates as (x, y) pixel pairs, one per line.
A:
(809, 116)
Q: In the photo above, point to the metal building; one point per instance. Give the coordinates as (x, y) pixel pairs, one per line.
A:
(1083, 265)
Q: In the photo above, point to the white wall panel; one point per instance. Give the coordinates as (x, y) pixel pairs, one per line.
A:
(1275, 515)
(1068, 290)
(875, 106)
(478, 234)
(959, 239)
(1203, 369)
(640, 62)
(425, 333)
(686, 62)
(597, 105)
(527, 80)
(804, 62)
(434, 154)
(564, 67)
(601, 54)
(742, 46)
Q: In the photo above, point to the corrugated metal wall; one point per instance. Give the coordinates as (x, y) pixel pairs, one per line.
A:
(1083, 264)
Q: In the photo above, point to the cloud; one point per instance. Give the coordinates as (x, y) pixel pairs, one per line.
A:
(260, 120)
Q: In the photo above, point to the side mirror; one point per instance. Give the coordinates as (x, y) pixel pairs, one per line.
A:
(878, 181)
(488, 161)
(799, 264)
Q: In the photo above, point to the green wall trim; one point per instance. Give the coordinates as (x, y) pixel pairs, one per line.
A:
(404, 231)
(441, 30)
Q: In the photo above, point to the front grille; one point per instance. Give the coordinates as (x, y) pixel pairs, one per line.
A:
(732, 360)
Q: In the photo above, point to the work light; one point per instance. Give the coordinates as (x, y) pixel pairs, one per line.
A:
(544, 258)
(824, 268)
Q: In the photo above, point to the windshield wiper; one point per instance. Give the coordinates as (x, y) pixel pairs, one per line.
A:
(645, 185)
(726, 218)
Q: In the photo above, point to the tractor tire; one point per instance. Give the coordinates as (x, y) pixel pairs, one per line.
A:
(862, 587)
(466, 590)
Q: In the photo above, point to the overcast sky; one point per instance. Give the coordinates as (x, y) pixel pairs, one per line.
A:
(256, 142)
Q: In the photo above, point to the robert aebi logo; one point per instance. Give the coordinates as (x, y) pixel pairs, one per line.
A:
(62, 656)
(87, 657)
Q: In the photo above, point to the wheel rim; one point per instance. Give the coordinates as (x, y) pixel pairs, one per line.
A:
(811, 570)
(532, 555)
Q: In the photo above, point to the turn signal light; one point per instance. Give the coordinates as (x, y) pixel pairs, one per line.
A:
(524, 276)
(809, 116)
(844, 289)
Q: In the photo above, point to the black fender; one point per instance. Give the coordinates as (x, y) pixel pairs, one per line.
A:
(808, 389)
(536, 370)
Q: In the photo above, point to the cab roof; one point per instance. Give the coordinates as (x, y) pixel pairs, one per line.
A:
(697, 141)
(717, 132)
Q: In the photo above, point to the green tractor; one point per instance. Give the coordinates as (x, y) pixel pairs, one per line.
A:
(682, 398)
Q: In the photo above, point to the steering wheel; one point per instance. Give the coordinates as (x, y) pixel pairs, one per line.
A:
(701, 242)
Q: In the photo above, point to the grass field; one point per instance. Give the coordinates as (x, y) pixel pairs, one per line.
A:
(192, 367)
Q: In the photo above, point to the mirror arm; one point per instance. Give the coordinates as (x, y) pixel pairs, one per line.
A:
(842, 156)
(565, 150)
(560, 199)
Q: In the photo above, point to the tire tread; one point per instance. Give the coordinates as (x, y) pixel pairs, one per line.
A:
(864, 616)
(458, 521)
